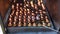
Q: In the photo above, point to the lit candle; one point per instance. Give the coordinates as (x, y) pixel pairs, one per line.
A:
(16, 13)
(17, 4)
(21, 4)
(29, 18)
(44, 12)
(25, 12)
(42, 18)
(33, 14)
(19, 19)
(43, 7)
(15, 18)
(10, 16)
(21, 9)
(39, 24)
(36, 7)
(24, 23)
(10, 24)
(28, 11)
(29, 24)
(24, 6)
(48, 24)
(19, 24)
(36, 12)
(33, 18)
(12, 12)
(40, 12)
(12, 6)
(43, 23)
(37, 17)
(24, 0)
(10, 19)
(32, 3)
(39, 2)
(27, 5)
(20, 12)
(14, 23)
(47, 20)
(14, 1)
(27, 2)
(34, 24)
(46, 17)
(24, 18)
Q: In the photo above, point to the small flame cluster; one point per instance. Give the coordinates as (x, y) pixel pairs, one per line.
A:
(31, 13)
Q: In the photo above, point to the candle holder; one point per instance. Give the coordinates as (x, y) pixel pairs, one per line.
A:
(30, 13)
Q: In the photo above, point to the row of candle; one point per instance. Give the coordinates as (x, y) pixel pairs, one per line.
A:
(23, 16)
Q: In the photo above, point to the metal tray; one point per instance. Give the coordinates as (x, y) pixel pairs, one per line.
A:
(27, 29)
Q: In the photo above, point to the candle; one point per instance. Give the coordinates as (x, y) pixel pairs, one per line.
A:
(27, 2)
(12, 6)
(14, 23)
(29, 24)
(16, 13)
(10, 21)
(27, 5)
(43, 7)
(28, 10)
(14, 1)
(43, 23)
(33, 14)
(34, 24)
(32, 3)
(48, 24)
(29, 18)
(12, 12)
(15, 18)
(39, 24)
(36, 7)
(47, 20)
(17, 4)
(24, 24)
(33, 18)
(44, 12)
(10, 24)
(19, 24)
(21, 4)
(39, 2)
(36, 12)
